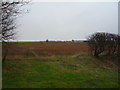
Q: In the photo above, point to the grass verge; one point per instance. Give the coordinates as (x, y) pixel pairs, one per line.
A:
(78, 71)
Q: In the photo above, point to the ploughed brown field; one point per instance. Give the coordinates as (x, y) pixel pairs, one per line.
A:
(49, 48)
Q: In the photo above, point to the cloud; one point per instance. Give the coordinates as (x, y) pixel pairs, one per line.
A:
(75, 0)
(67, 21)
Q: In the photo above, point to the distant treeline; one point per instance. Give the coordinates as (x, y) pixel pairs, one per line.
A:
(66, 41)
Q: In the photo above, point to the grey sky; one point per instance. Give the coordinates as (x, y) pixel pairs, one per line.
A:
(67, 20)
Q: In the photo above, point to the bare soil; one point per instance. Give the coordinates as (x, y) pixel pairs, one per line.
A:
(49, 48)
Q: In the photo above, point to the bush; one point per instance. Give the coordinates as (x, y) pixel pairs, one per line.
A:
(72, 40)
(47, 40)
(104, 42)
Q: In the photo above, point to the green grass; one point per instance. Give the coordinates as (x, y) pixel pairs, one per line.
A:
(79, 71)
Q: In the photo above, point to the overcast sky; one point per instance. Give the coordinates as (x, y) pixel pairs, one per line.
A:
(67, 20)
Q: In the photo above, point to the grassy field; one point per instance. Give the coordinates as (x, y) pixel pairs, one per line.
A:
(58, 70)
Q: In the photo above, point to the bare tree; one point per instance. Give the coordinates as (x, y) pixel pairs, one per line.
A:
(112, 42)
(103, 43)
(9, 10)
(97, 43)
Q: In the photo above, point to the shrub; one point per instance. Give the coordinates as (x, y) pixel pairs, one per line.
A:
(104, 42)
(47, 40)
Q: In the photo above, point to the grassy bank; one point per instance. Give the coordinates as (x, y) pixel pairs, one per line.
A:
(76, 71)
